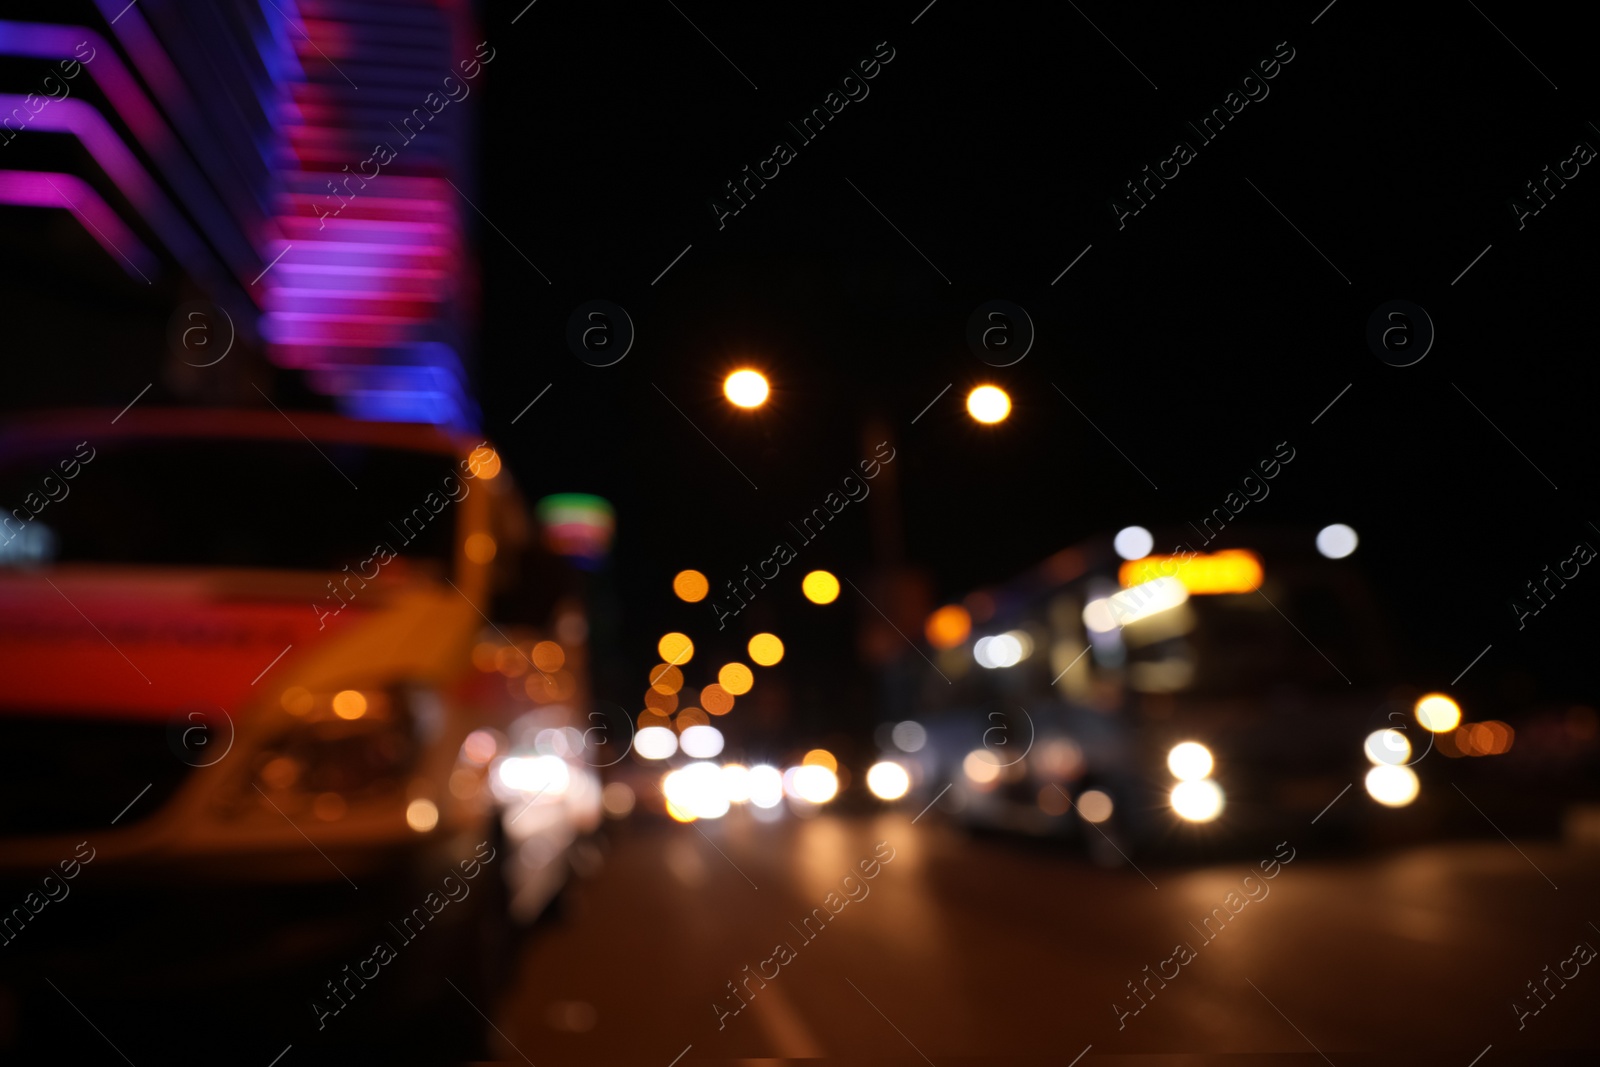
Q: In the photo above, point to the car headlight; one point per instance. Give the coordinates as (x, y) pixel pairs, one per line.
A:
(336, 750)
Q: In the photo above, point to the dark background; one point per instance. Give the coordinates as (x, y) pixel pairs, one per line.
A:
(1197, 337)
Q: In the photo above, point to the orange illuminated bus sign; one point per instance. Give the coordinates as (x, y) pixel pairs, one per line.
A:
(1233, 570)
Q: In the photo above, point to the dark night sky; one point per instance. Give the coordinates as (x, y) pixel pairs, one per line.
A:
(1197, 337)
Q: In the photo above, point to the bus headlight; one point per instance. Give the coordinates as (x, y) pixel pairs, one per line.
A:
(1197, 801)
(1189, 761)
(1392, 785)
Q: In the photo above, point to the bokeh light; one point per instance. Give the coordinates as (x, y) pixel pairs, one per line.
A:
(815, 783)
(1337, 542)
(697, 790)
(655, 742)
(665, 678)
(484, 462)
(948, 627)
(617, 799)
(766, 786)
(736, 782)
(665, 703)
(908, 736)
(820, 757)
(735, 678)
(746, 388)
(1438, 713)
(701, 742)
(888, 780)
(1392, 786)
(766, 649)
(716, 700)
(548, 656)
(981, 765)
(480, 547)
(1133, 542)
(1189, 761)
(1387, 747)
(820, 587)
(675, 648)
(1094, 806)
(1197, 801)
(349, 704)
(422, 815)
(988, 404)
(691, 586)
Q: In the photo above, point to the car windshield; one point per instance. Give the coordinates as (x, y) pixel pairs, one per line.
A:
(222, 502)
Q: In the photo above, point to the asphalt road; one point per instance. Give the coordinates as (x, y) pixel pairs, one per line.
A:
(963, 949)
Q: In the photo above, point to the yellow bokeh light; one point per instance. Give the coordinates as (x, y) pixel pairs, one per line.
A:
(735, 678)
(1438, 713)
(484, 462)
(655, 700)
(688, 717)
(948, 627)
(675, 648)
(422, 815)
(691, 585)
(820, 587)
(548, 656)
(665, 678)
(746, 388)
(678, 814)
(349, 704)
(481, 547)
(296, 701)
(820, 757)
(1233, 570)
(766, 649)
(988, 404)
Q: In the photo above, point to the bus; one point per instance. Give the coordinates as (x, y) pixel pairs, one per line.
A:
(1184, 702)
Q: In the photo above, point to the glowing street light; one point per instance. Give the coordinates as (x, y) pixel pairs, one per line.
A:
(988, 404)
(746, 388)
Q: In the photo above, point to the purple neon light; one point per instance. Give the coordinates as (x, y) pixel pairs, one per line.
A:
(122, 90)
(48, 189)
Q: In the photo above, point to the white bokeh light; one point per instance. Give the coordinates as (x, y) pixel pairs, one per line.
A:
(1337, 541)
(1133, 542)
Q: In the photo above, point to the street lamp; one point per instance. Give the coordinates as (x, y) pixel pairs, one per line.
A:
(746, 388)
(988, 404)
